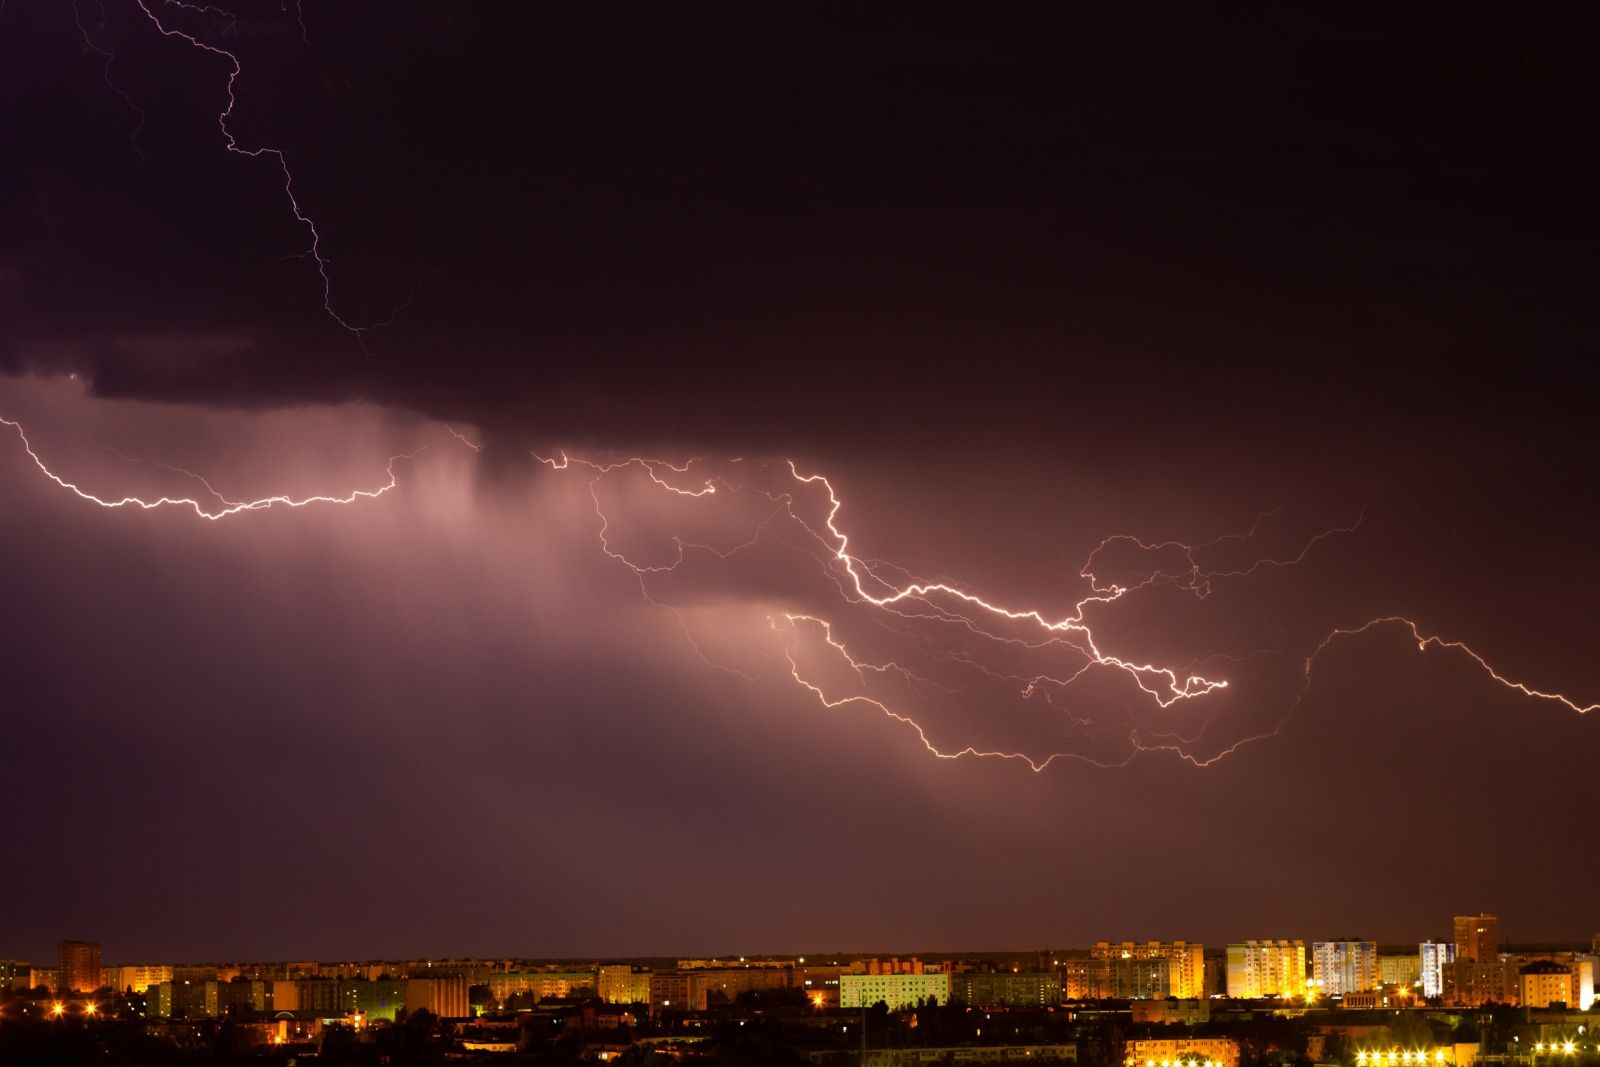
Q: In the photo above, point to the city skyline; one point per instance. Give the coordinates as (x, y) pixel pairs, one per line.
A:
(1345, 1003)
(1462, 947)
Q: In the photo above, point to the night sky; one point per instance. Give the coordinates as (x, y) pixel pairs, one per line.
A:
(1013, 281)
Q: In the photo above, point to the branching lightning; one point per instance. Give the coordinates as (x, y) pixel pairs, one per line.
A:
(223, 507)
(867, 583)
(800, 513)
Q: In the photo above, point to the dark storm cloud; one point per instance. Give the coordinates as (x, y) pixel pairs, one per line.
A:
(808, 230)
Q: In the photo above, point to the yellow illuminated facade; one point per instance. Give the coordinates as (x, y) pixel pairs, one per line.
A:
(1267, 969)
(895, 990)
(621, 984)
(1182, 1052)
(1177, 969)
(541, 985)
(137, 977)
(1547, 983)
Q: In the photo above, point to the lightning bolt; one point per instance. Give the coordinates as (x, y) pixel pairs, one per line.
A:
(790, 501)
(109, 58)
(889, 589)
(361, 332)
(223, 507)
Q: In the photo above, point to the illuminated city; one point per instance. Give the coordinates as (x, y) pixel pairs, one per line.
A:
(1137, 1003)
(773, 535)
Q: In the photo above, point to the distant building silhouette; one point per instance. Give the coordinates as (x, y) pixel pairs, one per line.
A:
(1477, 938)
(80, 967)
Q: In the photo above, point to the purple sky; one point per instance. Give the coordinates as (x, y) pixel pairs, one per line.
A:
(1012, 288)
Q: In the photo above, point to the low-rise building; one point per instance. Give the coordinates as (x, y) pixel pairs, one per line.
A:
(14, 974)
(1403, 970)
(137, 977)
(1552, 983)
(1472, 984)
(724, 985)
(541, 985)
(1009, 1054)
(621, 984)
(1164, 1012)
(1012, 989)
(676, 991)
(443, 995)
(238, 999)
(178, 1000)
(1181, 1052)
(895, 990)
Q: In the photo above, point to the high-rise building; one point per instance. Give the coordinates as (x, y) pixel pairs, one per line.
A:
(1267, 969)
(1184, 977)
(1477, 938)
(1340, 967)
(1434, 958)
(80, 967)
(1133, 978)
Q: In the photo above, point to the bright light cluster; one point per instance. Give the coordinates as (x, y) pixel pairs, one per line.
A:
(1397, 1055)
